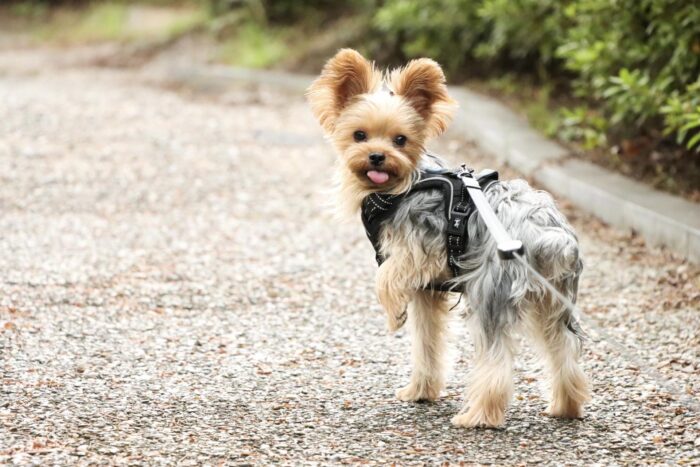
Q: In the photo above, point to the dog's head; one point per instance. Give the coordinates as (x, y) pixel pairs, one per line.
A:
(379, 123)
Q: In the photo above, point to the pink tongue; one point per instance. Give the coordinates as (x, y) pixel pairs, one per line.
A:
(378, 177)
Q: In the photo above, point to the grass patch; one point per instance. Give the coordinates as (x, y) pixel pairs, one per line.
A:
(199, 18)
(247, 39)
(110, 21)
(29, 10)
(254, 46)
(101, 23)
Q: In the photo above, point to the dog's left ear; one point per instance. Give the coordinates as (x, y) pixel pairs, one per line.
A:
(422, 83)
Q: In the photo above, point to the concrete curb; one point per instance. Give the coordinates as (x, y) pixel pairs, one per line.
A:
(660, 218)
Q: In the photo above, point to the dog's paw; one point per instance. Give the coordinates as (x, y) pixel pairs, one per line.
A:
(565, 409)
(419, 392)
(477, 417)
(395, 321)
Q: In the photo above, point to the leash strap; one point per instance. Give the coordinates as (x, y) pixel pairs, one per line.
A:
(506, 245)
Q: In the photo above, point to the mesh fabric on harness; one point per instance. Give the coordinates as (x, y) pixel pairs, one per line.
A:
(378, 207)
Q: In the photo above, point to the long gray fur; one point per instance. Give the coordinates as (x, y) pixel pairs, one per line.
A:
(500, 290)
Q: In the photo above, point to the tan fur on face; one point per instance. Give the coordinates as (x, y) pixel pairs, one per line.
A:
(347, 98)
(382, 117)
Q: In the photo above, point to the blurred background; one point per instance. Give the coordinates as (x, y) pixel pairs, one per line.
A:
(617, 80)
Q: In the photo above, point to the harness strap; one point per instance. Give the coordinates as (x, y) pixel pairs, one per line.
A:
(378, 207)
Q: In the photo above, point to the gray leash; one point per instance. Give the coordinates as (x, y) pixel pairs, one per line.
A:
(507, 246)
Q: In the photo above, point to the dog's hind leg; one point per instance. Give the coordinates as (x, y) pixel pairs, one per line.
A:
(558, 339)
(427, 321)
(491, 380)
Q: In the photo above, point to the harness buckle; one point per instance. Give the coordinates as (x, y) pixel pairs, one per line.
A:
(466, 175)
(464, 171)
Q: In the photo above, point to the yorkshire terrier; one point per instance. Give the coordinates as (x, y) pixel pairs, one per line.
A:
(379, 125)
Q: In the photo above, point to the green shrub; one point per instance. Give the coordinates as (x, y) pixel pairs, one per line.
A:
(526, 31)
(446, 31)
(580, 124)
(291, 11)
(636, 61)
(509, 34)
(682, 116)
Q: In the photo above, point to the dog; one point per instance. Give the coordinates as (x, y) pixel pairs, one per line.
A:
(379, 124)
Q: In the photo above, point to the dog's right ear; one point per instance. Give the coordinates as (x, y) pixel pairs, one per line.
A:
(344, 76)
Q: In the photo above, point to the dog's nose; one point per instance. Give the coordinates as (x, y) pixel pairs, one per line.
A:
(377, 158)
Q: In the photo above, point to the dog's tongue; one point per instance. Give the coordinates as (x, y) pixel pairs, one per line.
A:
(378, 177)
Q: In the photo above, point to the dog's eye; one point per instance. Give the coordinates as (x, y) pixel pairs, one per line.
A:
(400, 141)
(359, 135)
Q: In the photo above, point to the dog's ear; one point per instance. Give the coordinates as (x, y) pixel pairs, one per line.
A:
(344, 76)
(422, 83)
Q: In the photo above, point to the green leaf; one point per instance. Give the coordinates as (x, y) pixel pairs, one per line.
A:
(690, 125)
(694, 141)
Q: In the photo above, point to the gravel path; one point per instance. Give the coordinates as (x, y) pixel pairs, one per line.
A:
(173, 291)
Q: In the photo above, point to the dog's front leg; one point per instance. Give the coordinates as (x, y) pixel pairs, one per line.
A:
(394, 291)
(427, 323)
(402, 279)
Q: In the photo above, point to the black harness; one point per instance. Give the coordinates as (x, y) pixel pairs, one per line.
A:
(378, 207)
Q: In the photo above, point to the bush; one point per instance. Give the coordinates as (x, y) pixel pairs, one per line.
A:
(291, 11)
(433, 28)
(288, 11)
(637, 60)
(520, 34)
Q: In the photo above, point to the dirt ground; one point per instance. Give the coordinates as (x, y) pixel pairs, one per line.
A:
(173, 289)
